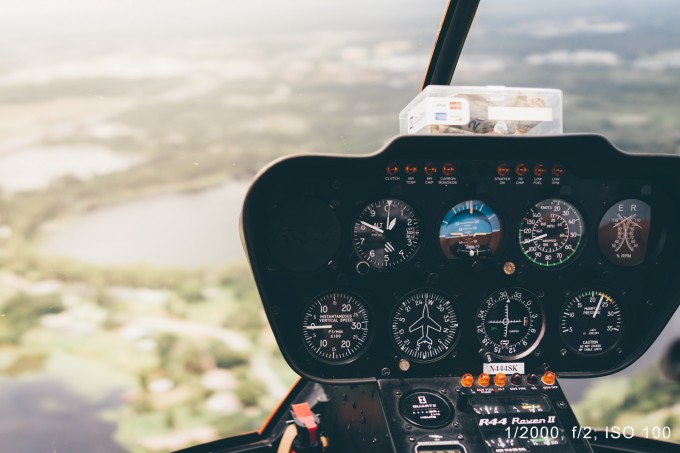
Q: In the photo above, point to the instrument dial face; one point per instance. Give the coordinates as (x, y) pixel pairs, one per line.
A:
(551, 232)
(425, 325)
(387, 233)
(335, 327)
(624, 232)
(510, 323)
(470, 229)
(591, 322)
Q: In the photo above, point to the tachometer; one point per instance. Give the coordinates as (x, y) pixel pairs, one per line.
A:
(335, 327)
(386, 233)
(510, 323)
(551, 232)
(425, 325)
(591, 322)
(470, 229)
(624, 232)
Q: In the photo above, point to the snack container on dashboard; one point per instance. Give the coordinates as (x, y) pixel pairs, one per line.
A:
(483, 110)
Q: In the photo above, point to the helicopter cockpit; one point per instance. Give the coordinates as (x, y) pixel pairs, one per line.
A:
(434, 294)
(341, 226)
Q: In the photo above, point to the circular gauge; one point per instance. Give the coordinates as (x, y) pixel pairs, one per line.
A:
(591, 322)
(510, 323)
(335, 327)
(551, 232)
(425, 325)
(624, 232)
(386, 233)
(470, 229)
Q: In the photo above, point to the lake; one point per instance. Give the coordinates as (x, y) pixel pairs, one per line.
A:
(35, 168)
(182, 230)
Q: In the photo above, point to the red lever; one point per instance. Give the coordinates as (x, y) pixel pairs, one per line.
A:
(304, 417)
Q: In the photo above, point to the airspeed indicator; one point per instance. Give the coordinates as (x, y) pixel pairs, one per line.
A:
(551, 232)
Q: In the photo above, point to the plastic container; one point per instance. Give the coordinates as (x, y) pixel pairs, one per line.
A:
(483, 110)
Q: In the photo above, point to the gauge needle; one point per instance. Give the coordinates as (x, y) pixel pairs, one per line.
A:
(326, 326)
(599, 304)
(630, 220)
(389, 207)
(537, 238)
(373, 227)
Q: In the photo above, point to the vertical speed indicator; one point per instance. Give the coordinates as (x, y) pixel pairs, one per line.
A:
(335, 327)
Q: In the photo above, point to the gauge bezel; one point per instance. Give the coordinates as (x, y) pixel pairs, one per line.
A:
(532, 347)
(450, 207)
(580, 247)
(457, 334)
(616, 296)
(416, 250)
(363, 348)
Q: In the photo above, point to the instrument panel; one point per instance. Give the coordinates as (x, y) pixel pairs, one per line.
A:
(440, 254)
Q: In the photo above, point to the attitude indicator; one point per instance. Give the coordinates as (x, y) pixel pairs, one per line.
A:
(470, 229)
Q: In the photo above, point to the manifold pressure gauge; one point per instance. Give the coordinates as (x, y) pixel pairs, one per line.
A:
(386, 233)
(425, 325)
(591, 322)
(336, 327)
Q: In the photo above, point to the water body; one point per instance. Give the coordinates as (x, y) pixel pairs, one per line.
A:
(35, 414)
(185, 230)
(35, 168)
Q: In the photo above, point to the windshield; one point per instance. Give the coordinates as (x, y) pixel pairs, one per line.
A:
(129, 133)
(618, 65)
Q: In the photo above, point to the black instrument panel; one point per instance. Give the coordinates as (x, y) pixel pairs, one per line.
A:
(441, 253)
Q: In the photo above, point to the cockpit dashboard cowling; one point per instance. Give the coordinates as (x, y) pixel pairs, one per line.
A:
(440, 254)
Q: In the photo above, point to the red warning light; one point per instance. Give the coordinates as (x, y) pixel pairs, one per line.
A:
(392, 169)
(503, 170)
(539, 170)
(411, 169)
(521, 170)
(430, 169)
(448, 169)
(558, 170)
